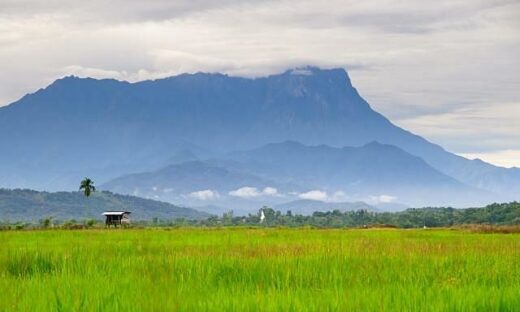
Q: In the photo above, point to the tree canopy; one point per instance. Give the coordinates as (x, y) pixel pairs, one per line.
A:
(87, 186)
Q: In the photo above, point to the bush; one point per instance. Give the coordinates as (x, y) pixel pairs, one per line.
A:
(45, 223)
(20, 226)
(28, 264)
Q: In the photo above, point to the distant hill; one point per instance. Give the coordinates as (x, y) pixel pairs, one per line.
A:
(182, 178)
(292, 168)
(199, 184)
(364, 171)
(28, 205)
(175, 180)
(215, 210)
(307, 206)
(391, 207)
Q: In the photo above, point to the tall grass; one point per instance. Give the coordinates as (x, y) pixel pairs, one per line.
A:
(259, 269)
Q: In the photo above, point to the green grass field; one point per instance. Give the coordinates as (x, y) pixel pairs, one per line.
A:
(259, 269)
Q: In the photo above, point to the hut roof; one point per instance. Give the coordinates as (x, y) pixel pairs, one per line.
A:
(115, 213)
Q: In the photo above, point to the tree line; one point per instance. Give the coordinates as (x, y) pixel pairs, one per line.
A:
(496, 214)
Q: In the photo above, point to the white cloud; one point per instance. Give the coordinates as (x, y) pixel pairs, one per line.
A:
(506, 158)
(338, 196)
(271, 191)
(250, 192)
(382, 199)
(314, 195)
(245, 192)
(205, 195)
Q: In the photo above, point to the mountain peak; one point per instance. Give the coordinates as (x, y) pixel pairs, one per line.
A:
(74, 80)
(306, 73)
(70, 77)
(337, 76)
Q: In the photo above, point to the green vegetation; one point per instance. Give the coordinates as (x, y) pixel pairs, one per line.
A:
(508, 213)
(223, 269)
(87, 186)
(32, 206)
(496, 214)
(26, 208)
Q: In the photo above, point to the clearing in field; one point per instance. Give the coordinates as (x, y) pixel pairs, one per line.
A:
(259, 269)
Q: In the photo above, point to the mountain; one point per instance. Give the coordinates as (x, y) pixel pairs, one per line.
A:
(362, 173)
(215, 210)
(184, 178)
(28, 205)
(307, 206)
(371, 166)
(198, 183)
(105, 128)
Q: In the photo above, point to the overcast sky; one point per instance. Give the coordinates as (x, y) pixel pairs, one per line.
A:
(448, 70)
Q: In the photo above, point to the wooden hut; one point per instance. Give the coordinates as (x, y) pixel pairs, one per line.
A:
(116, 218)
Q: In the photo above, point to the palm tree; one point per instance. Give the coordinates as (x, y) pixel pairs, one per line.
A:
(87, 186)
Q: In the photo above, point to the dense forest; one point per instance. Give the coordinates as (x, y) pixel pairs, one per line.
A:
(497, 214)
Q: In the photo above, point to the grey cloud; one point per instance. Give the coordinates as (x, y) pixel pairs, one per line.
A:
(432, 67)
(399, 17)
(115, 11)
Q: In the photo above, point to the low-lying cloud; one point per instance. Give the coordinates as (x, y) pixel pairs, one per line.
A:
(205, 195)
(382, 199)
(321, 195)
(252, 192)
(314, 195)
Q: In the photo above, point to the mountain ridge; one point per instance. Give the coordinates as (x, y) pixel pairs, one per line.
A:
(79, 126)
(290, 167)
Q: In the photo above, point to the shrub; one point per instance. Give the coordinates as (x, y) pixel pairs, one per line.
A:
(28, 264)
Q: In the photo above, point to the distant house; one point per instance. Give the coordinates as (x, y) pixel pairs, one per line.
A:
(116, 218)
